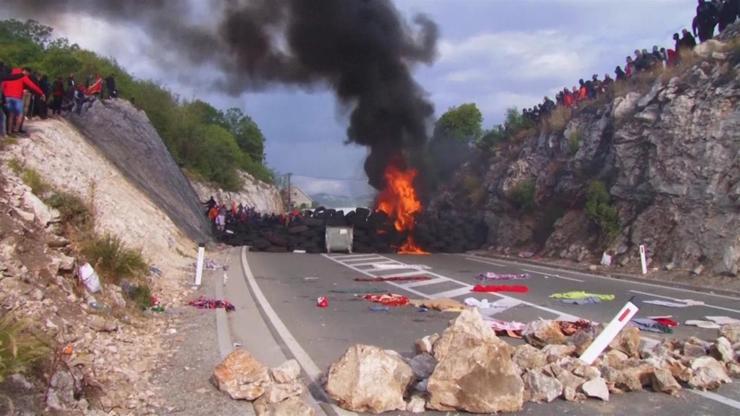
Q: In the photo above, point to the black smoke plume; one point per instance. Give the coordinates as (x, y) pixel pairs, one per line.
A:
(362, 49)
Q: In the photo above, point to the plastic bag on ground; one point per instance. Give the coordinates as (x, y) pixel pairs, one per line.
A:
(89, 278)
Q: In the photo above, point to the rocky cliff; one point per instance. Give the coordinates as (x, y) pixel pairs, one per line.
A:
(665, 147)
(127, 138)
(261, 196)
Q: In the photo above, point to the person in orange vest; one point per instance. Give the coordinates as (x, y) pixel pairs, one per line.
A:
(13, 92)
(582, 91)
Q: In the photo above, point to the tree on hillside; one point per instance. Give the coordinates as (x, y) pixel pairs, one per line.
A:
(248, 135)
(453, 133)
(463, 123)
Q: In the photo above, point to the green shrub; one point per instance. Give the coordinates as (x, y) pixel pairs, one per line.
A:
(522, 195)
(601, 212)
(19, 349)
(33, 179)
(110, 256)
(72, 209)
(142, 296)
(574, 143)
(16, 166)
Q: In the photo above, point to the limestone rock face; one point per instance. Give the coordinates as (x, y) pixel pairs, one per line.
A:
(369, 379)
(475, 372)
(241, 376)
(667, 153)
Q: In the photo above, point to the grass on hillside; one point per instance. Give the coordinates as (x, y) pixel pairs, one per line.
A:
(20, 350)
(113, 259)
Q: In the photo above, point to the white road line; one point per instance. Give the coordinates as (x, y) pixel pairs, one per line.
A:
(706, 305)
(352, 256)
(305, 360)
(454, 292)
(486, 262)
(373, 263)
(716, 397)
(559, 314)
(415, 272)
(554, 275)
(594, 276)
(424, 282)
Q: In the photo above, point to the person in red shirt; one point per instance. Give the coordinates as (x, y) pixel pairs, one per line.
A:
(13, 91)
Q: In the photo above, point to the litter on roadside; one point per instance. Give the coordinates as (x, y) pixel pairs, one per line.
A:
(89, 278)
(499, 276)
(322, 302)
(487, 308)
(207, 303)
(511, 328)
(500, 288)
(209, 264)
(651, 325)
(378, 308)
(153, 270)
(310, 278)
(590, 300)
(393, 279)
(388, 299)
(385, 266)
(580, 294)
(680, 303)
(666, 320)
(571, 327)
(702, 324)
(442, 305)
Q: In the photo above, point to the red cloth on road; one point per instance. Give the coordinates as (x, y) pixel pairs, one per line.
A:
(501, 288)
(388, 299)
(670, 323)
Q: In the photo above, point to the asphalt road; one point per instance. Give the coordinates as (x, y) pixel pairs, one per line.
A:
(285, 288)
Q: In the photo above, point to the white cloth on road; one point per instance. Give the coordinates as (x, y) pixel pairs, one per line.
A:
(683, 303)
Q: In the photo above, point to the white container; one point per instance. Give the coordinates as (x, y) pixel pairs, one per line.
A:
(89, 278)
(339, 239)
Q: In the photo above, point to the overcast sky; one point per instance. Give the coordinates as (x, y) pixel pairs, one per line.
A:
(495, 53)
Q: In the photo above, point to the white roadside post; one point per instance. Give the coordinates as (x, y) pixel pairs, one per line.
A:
(609, 333)
(643, 260)
(199, 264)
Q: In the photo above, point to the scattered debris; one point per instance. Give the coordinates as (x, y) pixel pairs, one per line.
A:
(651, 325)
(206, 303)
(241, 376)
(581, 295)
(701, 324)
(596, 388)
(322, 302)
(500, 276)
(487, 308)
(442, 305)
(310, 278)
(89, 278)
(500, 288)
(377, 308)
(388, 299)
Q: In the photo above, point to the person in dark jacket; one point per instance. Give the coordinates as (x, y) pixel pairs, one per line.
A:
(619, 73)
(705, 20)
(688, 42)
(110, 86)
(728, 12)
(57, 93)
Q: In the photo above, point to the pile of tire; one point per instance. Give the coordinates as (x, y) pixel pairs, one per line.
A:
(373, 232)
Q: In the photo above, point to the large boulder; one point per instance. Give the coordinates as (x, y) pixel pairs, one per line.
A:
(543, 332)
(708, 374)
(241, 376)
(369, 379)
(528, 357)
(290, 407)
(475, 372)
(540, 387)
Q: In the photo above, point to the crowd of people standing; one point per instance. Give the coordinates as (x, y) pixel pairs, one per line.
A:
(26, 94)
(710, 16)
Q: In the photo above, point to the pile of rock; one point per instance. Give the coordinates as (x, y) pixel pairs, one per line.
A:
(468, 368)
(276, 391)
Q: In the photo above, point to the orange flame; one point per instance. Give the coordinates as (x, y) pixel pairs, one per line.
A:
(399, 201)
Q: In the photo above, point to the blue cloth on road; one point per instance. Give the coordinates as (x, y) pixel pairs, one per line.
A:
(651, 325)
(590, 300)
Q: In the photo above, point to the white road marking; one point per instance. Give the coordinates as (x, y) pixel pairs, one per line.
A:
(554, 275)
(403, 274)
(454, 292)
(510, 263)
(305, 360)
(706, 305)
(353, 256)
(716, 397)
(378, 262)
(423, 282)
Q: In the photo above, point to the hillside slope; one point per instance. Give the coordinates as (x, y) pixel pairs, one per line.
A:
(666, 149)
(126, 137)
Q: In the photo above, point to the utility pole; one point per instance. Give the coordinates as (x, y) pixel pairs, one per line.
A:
(290, 191)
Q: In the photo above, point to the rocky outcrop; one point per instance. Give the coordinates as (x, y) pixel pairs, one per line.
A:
(261, 196)
(666, 148)
(127, 138)
(369, 379)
